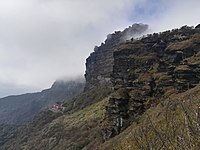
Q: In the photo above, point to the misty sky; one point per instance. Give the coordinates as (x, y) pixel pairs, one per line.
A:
(45, 40)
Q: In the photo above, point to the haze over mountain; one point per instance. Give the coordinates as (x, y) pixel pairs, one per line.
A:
(41, 41)
(142, 80)
(20, 109)
(141, 93)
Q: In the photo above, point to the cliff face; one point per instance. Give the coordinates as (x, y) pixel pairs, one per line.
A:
(99, 65)
(156, 91)
(148, 70)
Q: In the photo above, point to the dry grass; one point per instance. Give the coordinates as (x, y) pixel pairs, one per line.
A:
(93, 112)
(177, 46)
(78, 130)
(172, 125)
(194, 60)
(182, 68)
(134, 45)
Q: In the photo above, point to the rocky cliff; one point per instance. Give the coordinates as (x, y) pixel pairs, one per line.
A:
(148, 70)
(154, 103)
(99, 65)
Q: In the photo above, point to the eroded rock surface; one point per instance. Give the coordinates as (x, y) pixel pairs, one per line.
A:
(148, 70)
(99, 65)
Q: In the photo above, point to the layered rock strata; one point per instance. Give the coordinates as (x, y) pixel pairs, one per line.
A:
(99, 65)
(148, 70)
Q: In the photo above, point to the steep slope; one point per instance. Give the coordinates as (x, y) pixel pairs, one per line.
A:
(77, 128)
(21, 108)
(153, 103)
(99, 65)
(148, 70)
(172, 124)
(56, 131)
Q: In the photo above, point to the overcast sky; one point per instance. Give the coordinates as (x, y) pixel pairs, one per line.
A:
(44, 40)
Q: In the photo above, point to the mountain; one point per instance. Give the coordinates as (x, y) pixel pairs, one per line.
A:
(21, 108)
(148, 70)
(150, 101)
(99, 65)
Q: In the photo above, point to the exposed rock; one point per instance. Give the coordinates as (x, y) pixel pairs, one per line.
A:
(149, 69)
(117, 113)
(198, 26)
(144, 72)
(99, 65)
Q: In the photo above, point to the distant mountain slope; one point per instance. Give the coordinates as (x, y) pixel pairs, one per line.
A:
(153, 103)
(21, 108)
(172, 124)
(77, 128)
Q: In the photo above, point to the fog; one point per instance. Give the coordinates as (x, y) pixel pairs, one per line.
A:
(45, 40)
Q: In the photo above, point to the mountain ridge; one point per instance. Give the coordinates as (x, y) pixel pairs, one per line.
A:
(100, 62)
(19, 109)
(151, 102)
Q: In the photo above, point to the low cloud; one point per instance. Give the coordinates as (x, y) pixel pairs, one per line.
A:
(164, 15)
(44, 40)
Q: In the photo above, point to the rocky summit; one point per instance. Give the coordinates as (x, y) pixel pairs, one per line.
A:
(99, 65)
(150, 69)
(140, 93)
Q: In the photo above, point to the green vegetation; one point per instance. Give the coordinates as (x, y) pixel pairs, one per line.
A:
(86, 98)
(156, 103)
(73, 132)
(20, 109)
(93, 112)
(173, 124)
(79, 128)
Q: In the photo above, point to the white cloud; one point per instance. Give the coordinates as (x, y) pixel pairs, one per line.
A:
(178, 13)
(43, 40)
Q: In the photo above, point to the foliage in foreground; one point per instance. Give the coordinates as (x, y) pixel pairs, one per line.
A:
(173, 124)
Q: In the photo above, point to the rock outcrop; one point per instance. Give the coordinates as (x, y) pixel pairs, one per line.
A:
(148, 70)
(154, 73)
(99, 65)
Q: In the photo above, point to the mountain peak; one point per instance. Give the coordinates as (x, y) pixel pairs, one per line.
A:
(99, 64)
